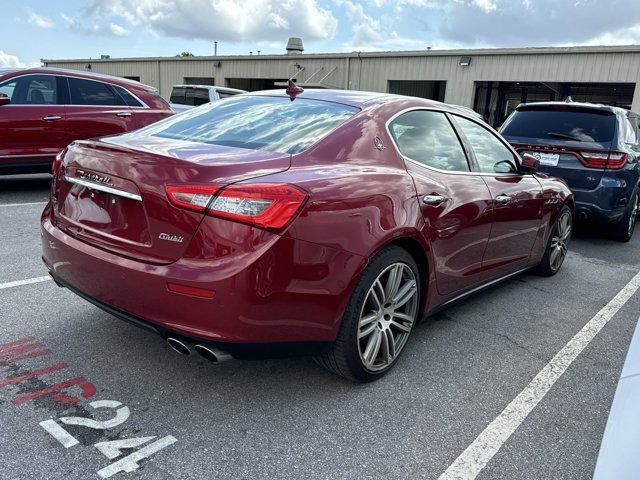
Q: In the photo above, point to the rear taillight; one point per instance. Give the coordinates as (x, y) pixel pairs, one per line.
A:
(58, 161)
(265, 205)
(604, 159)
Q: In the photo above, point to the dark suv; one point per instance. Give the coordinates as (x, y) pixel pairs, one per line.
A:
(594, 148)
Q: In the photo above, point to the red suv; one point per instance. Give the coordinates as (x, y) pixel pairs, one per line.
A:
(42, 110)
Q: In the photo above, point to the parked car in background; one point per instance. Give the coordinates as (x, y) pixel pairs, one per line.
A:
(322, 222)
(185, 97)
(594, 148)
(42, 110)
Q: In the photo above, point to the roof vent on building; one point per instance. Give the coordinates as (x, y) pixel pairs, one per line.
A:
(294, 46)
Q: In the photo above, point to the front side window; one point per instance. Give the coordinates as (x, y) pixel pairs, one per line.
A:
(31, 90)
(490, 152)
(259, 123)
(427, 137)
(88, 92)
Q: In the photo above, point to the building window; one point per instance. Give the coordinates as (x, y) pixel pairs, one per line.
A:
(431, 89)
(199, 81)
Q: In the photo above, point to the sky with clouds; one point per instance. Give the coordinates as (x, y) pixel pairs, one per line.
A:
(35, 29)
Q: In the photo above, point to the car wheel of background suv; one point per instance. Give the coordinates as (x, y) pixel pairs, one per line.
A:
(625, 226)
(378, 319)
(557, 245)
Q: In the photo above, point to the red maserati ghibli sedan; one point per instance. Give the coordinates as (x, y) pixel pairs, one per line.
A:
(316, 222)
(42, 110)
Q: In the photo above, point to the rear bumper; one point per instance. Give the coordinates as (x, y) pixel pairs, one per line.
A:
(293, 292)
(606, 203)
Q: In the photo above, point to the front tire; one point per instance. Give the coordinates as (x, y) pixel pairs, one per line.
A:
(557, 245)
(378, 319)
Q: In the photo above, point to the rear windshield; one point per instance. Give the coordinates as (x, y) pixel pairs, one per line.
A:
(581, 126)
(275, 124)
(190, 96)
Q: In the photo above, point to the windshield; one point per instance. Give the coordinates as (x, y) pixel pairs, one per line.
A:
(275, 124)
(580, 126)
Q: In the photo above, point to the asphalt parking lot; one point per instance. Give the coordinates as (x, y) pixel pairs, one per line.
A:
(289, 419)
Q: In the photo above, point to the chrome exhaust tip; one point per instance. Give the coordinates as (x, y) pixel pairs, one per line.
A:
(212, 354)
(178, 346)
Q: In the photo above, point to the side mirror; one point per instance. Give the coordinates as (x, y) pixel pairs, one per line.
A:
(505, 166)
(529, 164)
(4, 99)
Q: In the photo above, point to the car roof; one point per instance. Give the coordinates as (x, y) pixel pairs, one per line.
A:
(78, 73)
(215, 87)
(354, 98)
(578, 105)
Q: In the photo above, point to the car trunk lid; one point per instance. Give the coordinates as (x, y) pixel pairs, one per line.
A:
(111, 192)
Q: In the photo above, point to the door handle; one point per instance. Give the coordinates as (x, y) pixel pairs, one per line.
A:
(503, 199)
(51, 118)
(433, 199)
(123, 114)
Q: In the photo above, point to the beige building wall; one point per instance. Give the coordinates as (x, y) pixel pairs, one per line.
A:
(372, 71)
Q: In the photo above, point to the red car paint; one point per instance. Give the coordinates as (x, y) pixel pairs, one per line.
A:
(290, 285)
(32, 133)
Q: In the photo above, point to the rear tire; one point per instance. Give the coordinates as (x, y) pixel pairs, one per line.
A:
(557, 245)
(378, 319)
(626, 225)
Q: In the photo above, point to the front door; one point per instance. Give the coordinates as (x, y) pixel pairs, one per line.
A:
(455, 203)
(517, 200)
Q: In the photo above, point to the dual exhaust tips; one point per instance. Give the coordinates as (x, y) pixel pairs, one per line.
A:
(212, 354)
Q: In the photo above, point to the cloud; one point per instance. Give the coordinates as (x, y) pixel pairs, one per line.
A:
(504, 23)
(39, 20)
(7, 60)
(224, 20)
(113, 29)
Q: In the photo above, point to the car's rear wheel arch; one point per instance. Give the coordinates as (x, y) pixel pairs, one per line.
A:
(417, 251)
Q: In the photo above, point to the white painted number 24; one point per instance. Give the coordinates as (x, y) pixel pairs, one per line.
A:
(111, 449)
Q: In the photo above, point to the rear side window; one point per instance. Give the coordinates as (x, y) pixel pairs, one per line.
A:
(575, 125)
(88, 92)
(427, 137)
(127, 98)
(259, 123)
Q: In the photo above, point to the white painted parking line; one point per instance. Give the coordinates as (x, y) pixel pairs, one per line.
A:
(28, 281)
(471, 462)
(21, 204)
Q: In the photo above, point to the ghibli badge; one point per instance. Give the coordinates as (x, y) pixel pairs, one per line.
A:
(171, 238)
(94, 177)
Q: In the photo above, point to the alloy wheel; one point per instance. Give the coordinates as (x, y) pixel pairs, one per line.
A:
(387, 316)
(634, 215)
(559, 241)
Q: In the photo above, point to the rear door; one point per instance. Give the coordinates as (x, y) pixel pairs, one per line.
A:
(96, 109)
(517, 200)
(455, 203)
(32, 126)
